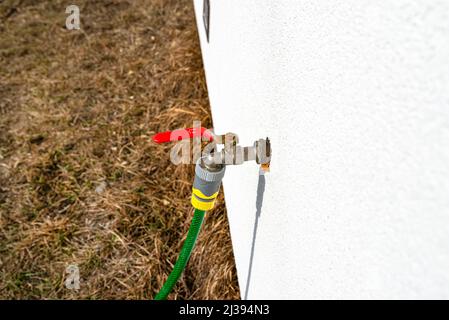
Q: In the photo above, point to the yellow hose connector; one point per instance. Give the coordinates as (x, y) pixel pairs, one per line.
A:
(202, 202)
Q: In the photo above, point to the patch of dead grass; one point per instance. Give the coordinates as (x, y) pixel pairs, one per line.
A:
(80, 181)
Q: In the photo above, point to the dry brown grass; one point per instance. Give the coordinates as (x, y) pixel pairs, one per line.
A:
(77, 111)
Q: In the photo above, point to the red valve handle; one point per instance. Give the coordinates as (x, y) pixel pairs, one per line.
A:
(180, 134)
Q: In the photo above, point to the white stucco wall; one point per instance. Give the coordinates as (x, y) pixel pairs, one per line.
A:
(354, 95)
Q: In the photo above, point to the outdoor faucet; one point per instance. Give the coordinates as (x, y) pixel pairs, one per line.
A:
(209, 171)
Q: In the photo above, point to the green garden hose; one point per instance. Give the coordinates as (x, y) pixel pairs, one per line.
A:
(184, 256)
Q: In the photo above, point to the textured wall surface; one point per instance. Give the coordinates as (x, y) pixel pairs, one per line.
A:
(354, 95)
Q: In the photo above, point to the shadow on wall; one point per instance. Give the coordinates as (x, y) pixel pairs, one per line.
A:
(259, 201)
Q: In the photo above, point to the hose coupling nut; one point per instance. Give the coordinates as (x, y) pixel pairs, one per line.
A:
(206, 185)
